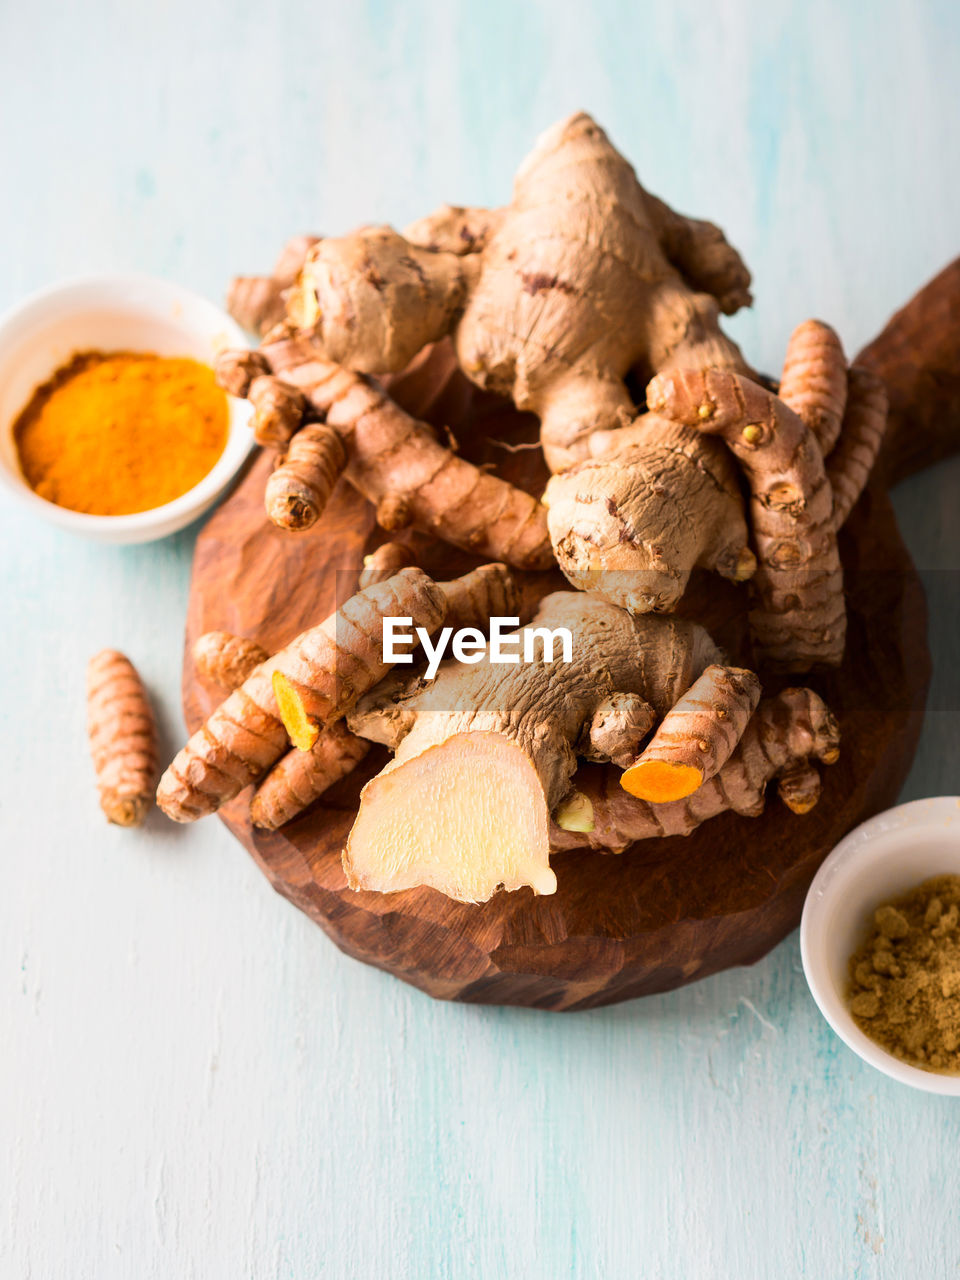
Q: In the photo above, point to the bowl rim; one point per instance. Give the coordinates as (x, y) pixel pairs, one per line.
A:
(239, 443)
(903, 817)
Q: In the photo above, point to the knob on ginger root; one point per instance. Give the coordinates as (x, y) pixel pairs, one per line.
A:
(123, 738)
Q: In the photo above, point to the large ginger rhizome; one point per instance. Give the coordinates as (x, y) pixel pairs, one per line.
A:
(583, 285)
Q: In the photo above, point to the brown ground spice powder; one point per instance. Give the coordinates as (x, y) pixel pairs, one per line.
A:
(904, 990)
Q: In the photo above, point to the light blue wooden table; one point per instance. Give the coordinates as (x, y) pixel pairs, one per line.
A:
(193, 1081)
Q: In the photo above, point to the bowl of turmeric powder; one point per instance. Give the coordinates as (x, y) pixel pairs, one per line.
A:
(111, 421)
(880, 943)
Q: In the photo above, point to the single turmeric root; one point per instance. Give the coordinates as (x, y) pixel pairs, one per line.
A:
(697, 736)
(862, 433)
(301, 777)
(300, 488)
(383, 563)
(302, 729)
(123, 738)
(785, 738)
(813, 382)
(278, 411)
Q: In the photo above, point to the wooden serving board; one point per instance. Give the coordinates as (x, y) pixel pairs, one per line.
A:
(665, 912)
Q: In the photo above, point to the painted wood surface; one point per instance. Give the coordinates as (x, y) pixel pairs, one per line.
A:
(193, 1081)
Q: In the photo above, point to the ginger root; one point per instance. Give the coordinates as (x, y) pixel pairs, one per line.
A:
(257, 302)
(552, 301)
(584, 279)
(123, 737)
(322, 756)
(488, 751)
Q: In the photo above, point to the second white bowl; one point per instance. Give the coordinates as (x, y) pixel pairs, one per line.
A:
(883, 858)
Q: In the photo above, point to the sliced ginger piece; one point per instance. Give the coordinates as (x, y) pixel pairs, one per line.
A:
(466, 817)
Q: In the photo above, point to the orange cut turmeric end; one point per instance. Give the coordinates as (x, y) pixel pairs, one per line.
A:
(302, 729)
(658, 781)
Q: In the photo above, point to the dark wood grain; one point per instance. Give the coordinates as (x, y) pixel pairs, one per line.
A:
(665, 912)
(918, 355)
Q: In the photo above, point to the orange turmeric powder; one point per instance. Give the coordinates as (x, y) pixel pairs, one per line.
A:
(111, 434)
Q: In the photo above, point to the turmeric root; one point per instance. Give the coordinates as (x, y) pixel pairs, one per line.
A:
(298, 490)
(329, 666)
(324, 672)
(488, 751)
(798, 500)
(583, 280)
(862, 433)
(123, 738)
(814, 381)
(300, 777)
(696, 737)
(324, 756)
(783, 740)
(800, 619)
(469, 601)
(397, 463)
(277, 411)
(237, 368)
(225, 659)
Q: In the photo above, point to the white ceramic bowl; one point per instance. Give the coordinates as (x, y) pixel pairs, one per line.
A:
(885, 857)
(110, 313)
